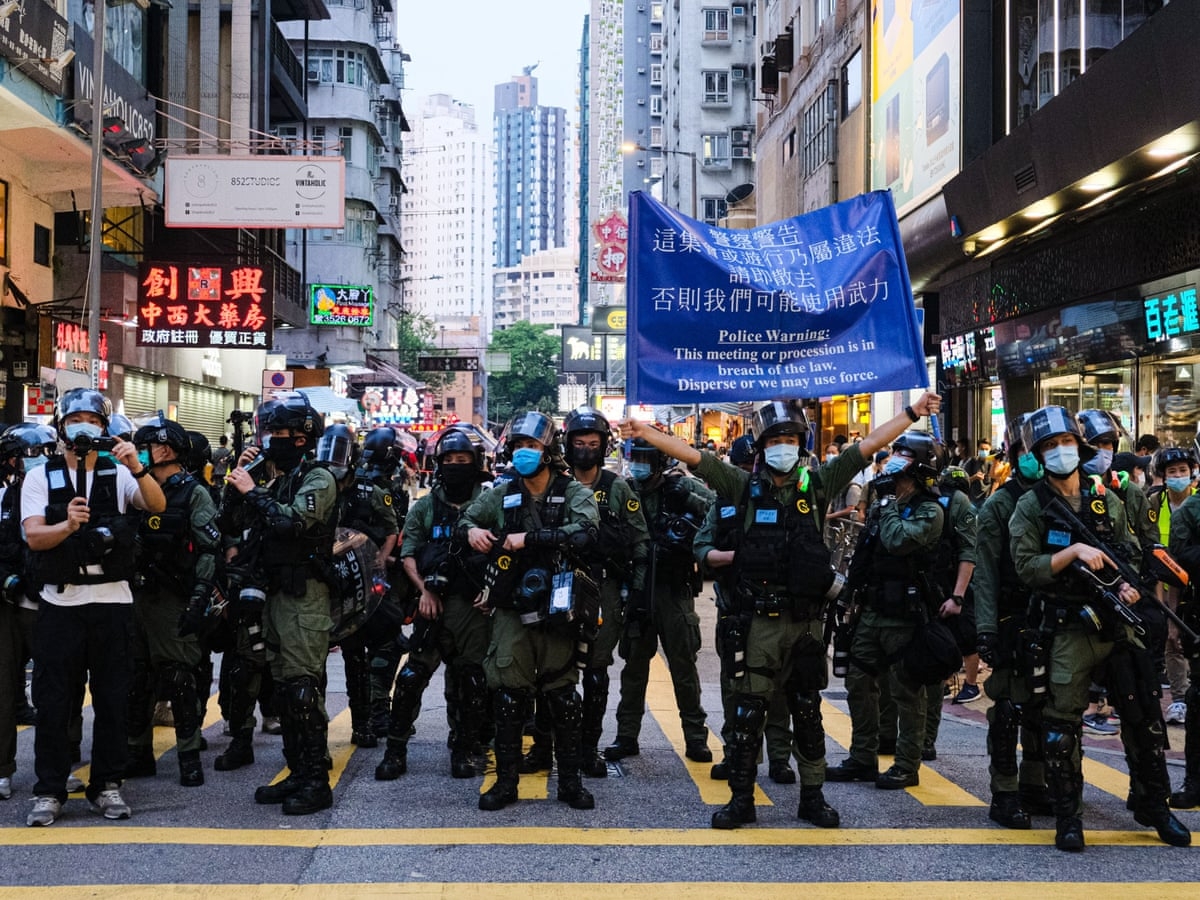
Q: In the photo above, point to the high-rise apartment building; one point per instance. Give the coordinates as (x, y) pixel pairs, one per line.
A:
(531, 171)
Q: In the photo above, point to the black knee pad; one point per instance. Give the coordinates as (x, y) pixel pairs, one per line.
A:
(414, 675)
(595, 680)
(808, 729)
(1059, 743)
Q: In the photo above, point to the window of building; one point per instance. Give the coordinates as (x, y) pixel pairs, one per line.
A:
(289, 137)
(317, 144)
(346, 136)
(716, 24)
(713, 208)
(656, 12)
(716, 150)
(656, 105)
(656, 43)
(41, 244)
(819, 131)
(788, 146)
(716, 87)
(852, 83)
(656, 135)
(656, 73)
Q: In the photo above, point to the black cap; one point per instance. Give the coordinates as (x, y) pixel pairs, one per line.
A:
(1127, 462)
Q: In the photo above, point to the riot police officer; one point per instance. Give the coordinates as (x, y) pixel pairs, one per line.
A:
(895, 553)
(675, 506)
(533, 526)
(449, 627)
(1081, 630)
(1001, 610)
(295, 519)
(73, 510)
(23, 447)
(368, 508)
(176, 569)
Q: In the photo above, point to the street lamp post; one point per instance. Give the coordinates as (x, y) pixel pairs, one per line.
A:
(631, 147)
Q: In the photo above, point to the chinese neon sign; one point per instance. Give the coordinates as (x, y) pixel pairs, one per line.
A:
(1171, 315)
(202, 305)
(71, 350)
(341, 304)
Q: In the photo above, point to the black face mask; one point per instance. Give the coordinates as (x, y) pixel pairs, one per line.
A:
(284, 453)
(458, 479)
(586, 458)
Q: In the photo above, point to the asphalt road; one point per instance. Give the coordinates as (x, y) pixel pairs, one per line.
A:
(423, 835)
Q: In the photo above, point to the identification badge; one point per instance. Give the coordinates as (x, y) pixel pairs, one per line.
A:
(512, 501)
(57, 479)
(766, 516)
(560, 595)
(727, 511)
(1058, 538)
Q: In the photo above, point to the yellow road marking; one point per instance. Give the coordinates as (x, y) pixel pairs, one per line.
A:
(104, 835)
(934, 790)
(1106, 778)
(340, 748)
(660, 700)
(857, 890)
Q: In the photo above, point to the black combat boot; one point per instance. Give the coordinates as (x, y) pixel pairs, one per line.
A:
(741, 755)
(1006, 810)
(1061, 742)
(595, 704)
(240, 752)
(191, 773)
(1153, 784)
(141, 762)
(540, 756)
(394, 762)
(566, 709)
(358, 695)
(813, 808)
(314, 794)
(1188, 796)
(511, 708)
(471, 691)
(410, 685)
(281, 790)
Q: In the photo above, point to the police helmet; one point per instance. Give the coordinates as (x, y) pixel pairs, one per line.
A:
(1014, 443)
(28, 439)
(1169, 456)
(336, 446)
(954, 478)
(158, 429)
(585, 419)
(1051, 421)
(199, 453)
(531, 424)
(119, 426)
(78, 400)
(777, 417)
(641, 450)
(456, 440)
(381, 449)
(742, 451)
(1098, 424)
(261, 414)
(920, 447)
(296, 414)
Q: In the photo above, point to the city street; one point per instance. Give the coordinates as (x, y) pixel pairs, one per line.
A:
(648, 836)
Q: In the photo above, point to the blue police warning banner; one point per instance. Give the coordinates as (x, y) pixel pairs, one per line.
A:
(816, 305)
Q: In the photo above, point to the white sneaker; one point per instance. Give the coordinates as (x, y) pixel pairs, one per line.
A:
(110, 802)
(74, 785)
(1176, 713)
(5, 788)
(45, 811)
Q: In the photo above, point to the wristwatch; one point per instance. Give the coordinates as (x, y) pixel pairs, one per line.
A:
(143, 473)
(957, 598)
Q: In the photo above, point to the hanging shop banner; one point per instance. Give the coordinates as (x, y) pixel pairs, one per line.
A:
(811, 306)
(610, 250)
(341, 304)
(255, 192)
(582, 350)
(204, 305)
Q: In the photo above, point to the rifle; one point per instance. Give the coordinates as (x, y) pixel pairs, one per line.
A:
(1161, 565)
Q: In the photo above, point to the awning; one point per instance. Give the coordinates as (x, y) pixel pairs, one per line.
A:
(326, 401)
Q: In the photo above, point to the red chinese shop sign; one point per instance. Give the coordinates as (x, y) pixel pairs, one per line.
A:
(72, 351)
(204, 305)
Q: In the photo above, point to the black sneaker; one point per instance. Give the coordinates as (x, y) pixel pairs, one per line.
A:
(780, 772)
(850, 769)
(621, 748)
(896, 778)
(697, 751)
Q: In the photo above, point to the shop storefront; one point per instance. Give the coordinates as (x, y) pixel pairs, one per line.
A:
(1135, 354)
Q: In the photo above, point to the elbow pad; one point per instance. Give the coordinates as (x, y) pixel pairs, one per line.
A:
(582, 539)
(545, 537)
(276, 520)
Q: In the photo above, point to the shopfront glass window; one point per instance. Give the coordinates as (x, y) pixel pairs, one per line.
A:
(1175, 403)
(1108, 389)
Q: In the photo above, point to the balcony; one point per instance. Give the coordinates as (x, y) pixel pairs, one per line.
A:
(287, 80)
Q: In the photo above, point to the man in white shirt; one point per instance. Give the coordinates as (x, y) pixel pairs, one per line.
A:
(82, 545)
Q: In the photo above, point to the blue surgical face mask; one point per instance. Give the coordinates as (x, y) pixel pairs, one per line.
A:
(1099, 464)
(782, 457)
(527, 461)
(895, 465)
(1029, 467)
(641, 471)
(1178, 483)
(983, 454)
(78, 429)
(29, 463)
(1061, 461)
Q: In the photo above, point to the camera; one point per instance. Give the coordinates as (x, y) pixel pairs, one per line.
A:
(438, 581)
(84, 444)
(10, 587)
(98, 543)
(680, 532)
(247, 585)
(532, 594)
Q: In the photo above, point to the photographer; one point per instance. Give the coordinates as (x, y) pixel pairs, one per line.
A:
(448, 625)
(293, 522)
(527, 524)
(176, 569)
(73, 511)
(674, 506)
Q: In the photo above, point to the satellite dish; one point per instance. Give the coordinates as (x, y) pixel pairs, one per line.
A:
(739, 193)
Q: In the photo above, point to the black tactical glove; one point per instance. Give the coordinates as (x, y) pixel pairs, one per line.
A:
(986, 644)
(191, 620)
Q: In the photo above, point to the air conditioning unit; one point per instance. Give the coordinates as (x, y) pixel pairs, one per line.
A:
(739, 11)
(314, 76)
(641, 101)
(741, 153)
(741, 135)
(738, 73)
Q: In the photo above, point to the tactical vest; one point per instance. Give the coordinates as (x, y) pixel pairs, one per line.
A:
(11, 545)
(1059, 534)
(1012, 594)
(780, 547)
(945, 565)
(550, 512)
(897, 585)
(67, 563)
(167, 554)
(444, 544)
(281, 552)
(674, 544)
(357, 511)
(613, 544)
